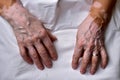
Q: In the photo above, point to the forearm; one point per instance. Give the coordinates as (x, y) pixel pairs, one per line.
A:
(102, 8)
(16, 14)
(6, 4)
(107, 5)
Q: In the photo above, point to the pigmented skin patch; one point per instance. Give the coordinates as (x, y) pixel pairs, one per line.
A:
(6, 3)
(97, 4)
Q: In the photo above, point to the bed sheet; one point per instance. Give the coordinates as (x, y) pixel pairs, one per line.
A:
(62, 17)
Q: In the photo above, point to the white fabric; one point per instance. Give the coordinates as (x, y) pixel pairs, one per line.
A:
(63, 18)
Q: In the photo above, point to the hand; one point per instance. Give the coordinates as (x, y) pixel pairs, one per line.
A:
(35, 42)
(90, 46)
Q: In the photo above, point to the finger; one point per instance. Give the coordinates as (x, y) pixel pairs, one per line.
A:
(52, 37)
(24, 54)
(104, 57)
(50, 47)
(76, 56)
(94, 63)
(35, 57)
(43, 54)
(85, 60)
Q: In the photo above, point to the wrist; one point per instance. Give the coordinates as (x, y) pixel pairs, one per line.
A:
(99, 10)
(94, 12)
(16, 14)
(100, 16)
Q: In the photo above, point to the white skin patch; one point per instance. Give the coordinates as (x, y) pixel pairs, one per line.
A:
(97, 4)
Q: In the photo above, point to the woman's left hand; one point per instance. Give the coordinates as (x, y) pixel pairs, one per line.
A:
(90, 49)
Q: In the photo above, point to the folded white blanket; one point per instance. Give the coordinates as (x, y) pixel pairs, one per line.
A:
(63, 18)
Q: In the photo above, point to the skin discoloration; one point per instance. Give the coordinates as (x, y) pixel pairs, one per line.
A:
(6, 4)
(90, 36)
(97, 5)
(35, 42)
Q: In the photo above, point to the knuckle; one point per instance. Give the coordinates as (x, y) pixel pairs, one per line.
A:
(28, 41)
(35, 37)
(85, 61)
(94, 62)
(20, 41)
(75, 57)
(90, 46)
(50, 46)
(43, 33)
(34, 56)
(42, 50)
(43, 54)
(80, 42)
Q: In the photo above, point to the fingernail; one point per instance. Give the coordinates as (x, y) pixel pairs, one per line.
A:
(55, 58)
(103, 66)
(92, 72)
(74, 66)
(41, 68)
(49, 65)
(82, 71)
(30, 62)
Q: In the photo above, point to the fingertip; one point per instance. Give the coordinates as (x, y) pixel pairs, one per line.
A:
(54, 58)
(82, 71)
(104, 58)
(92, 72)
(41, 68)
(30, 62)
(74, 66)
(103, 66)
(54, 38)
(49, 65)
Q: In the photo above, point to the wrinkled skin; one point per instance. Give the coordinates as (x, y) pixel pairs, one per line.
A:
(90, 40)
(35, 42)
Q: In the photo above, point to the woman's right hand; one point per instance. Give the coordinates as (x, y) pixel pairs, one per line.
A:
(35, 42)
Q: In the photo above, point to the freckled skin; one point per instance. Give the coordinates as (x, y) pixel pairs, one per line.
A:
(90, 39)
(90, 46)
(35, 42)
(6, 3)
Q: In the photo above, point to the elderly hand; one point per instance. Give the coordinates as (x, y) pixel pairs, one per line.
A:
(35, 42)
(90, 49)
